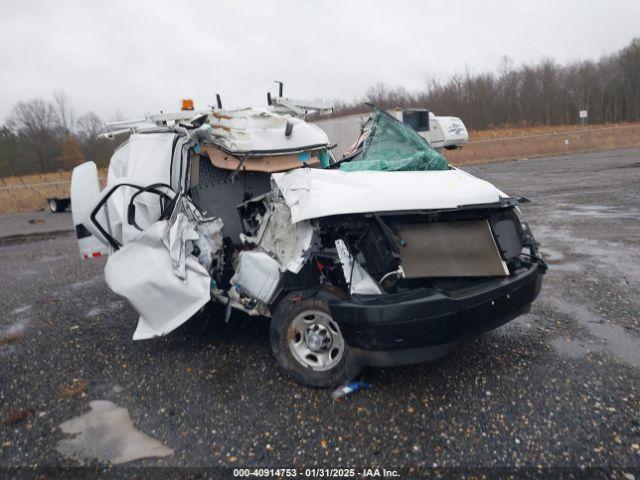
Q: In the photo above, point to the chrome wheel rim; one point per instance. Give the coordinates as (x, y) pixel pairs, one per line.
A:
(315, 340)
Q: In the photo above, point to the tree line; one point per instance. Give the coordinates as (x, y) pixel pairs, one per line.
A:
(45, 136)
(543, 93)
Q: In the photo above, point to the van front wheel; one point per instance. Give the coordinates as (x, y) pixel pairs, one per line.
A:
(307, 342)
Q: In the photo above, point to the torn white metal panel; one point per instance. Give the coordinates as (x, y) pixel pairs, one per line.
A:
(181, 235)
(304, 236)
(355, 275)
(142, 272)
(279, 236)
(115, 205)
(314, 193)
(257, 275)
(179, 164)
(148, 157)
(209, 241)
(145, 159)
(85, 189)
(254, 130)
(190, 229)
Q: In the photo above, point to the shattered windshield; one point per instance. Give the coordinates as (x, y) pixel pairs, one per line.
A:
(393, 146)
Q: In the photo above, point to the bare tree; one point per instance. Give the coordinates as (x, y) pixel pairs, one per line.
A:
(38, 121)
(8, 149)
(89, 126)
(64, 111)
(71, 154)
(377, 94)
(543, 93)
(117, 116)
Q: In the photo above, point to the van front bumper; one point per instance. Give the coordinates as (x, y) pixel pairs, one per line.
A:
(424, 324)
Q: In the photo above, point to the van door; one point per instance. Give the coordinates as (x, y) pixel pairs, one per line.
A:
(85, 189)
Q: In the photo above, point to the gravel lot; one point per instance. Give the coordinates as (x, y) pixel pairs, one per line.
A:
(557, 387)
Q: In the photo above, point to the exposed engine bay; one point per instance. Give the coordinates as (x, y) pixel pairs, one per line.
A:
(369, 254)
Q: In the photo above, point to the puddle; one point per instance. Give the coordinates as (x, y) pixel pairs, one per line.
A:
(574, 349)
(550, 255)
(622, 343)
(525, 321)
(602, 211)
(558, 262)
(107, 434)
(10, 336)
(574, 267)
(598, 257)
(614, 259)
(613, 339)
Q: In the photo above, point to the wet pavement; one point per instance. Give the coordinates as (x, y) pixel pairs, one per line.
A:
(27, 225)
(557, 387)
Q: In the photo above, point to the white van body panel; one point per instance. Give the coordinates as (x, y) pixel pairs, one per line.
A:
(142, 272)
(85, 190)
(314, 193)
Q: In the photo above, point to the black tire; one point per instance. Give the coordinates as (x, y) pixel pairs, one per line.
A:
(290, 307)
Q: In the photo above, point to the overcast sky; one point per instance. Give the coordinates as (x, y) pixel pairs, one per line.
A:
(142, 56)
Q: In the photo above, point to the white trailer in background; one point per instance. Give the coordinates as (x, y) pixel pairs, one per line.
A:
(440, 132)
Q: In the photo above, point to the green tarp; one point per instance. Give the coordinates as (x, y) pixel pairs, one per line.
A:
(393, 146)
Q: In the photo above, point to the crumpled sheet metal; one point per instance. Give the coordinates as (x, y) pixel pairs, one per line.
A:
(178, 241)
(209, 240)
(188, 229)
(144, 159)
(354, 274)
(280, 246)
(285, 241)
(142, 272)
(255, 131)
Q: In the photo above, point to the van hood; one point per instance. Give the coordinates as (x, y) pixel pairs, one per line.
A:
(314, 193)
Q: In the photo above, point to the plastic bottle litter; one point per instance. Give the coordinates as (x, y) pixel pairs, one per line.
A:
(348, 388)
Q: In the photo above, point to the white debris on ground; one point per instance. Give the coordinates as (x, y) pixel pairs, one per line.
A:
(22, 309)
(107, 434)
